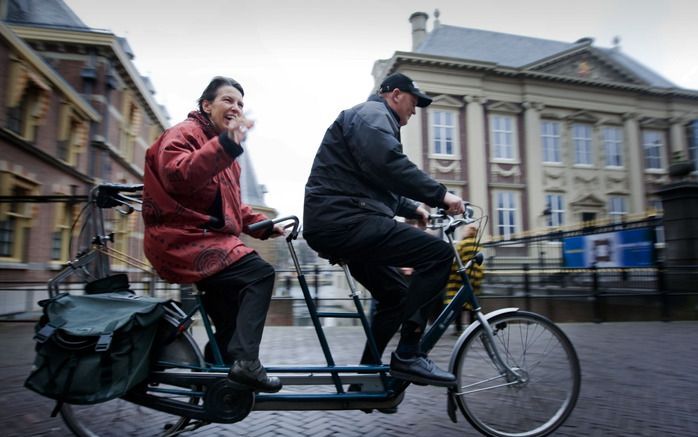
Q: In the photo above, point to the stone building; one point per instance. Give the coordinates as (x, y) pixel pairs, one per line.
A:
(75, 112)
(538, 132)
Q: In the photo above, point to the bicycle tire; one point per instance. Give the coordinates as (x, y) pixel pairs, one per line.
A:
(120, 417)
(540, 350)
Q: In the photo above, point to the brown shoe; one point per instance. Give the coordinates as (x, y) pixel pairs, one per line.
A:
(252, 374)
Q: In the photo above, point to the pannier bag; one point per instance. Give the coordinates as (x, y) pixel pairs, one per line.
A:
(93, 348)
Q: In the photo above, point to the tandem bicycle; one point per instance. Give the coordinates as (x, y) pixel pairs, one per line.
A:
(517, 373)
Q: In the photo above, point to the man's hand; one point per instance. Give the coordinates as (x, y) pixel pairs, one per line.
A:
(454, 204)
(423, 219)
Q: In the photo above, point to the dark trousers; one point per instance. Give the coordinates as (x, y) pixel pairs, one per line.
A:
(237, 300)
(374, 249)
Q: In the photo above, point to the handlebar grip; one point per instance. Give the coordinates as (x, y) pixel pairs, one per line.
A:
(264, 224)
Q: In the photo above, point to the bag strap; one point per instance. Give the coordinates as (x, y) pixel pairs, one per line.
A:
(72, 364)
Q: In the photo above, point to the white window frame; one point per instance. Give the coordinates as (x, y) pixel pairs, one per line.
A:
(551, 142)
(693, 144)
(613, 146)
(506, 206)
(556, 203)
(503, 151)
(442, 128)
(653, 141)
(583, 145)
(617, 208)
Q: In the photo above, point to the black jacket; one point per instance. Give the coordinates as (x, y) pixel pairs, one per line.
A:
(360, 169)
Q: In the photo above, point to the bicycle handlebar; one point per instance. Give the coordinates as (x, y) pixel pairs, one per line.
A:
(269, 223)
(452, 222)
(112, 195)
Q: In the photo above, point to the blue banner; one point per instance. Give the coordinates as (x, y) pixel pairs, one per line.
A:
(627, 248)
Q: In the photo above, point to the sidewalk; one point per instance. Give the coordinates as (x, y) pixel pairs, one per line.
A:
(638, 379)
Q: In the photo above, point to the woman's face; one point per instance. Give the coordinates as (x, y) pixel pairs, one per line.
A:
(225, 107)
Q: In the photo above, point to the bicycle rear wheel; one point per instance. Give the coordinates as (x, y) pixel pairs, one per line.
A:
(120, 417)
(537, 403)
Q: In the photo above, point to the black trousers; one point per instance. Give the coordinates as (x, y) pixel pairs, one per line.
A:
(237, 300)
(375, 249)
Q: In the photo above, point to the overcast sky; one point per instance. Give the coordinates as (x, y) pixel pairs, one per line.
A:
(302, 61)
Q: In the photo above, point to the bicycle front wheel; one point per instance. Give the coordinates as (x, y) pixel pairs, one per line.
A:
(120, 417)
(543, 393)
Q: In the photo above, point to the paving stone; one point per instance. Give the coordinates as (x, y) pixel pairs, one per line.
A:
(638, 379)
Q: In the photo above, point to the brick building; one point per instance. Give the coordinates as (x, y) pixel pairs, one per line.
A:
(75, 112)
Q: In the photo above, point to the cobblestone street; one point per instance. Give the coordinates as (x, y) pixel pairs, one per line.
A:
(638, 379)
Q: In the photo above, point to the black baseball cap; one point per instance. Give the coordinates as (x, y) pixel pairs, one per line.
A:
(404, 83)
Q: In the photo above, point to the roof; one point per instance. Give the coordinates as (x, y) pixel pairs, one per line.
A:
(517, 51)
(54, 13)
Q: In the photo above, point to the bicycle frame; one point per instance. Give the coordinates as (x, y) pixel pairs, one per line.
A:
(385, 393)
(381, 390)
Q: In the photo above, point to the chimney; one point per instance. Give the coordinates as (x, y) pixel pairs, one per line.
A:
(419, 28)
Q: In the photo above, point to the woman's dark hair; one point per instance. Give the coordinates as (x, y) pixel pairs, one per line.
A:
(213, 86)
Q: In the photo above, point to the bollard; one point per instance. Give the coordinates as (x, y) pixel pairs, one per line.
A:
(662, 291)
(527, 287)
(596, 294)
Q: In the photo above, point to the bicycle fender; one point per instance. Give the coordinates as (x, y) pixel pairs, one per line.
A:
(471, 328)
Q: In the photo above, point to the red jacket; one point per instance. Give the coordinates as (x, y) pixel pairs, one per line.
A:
(192, 208)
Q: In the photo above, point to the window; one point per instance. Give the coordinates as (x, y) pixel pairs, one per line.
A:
(556, 210)
(613, 145)
(28, 100)
(72, 135)
(503, 137)
(581, 138)
(693, 143)
(617, 208)
(443, 128)
(60, 239)
(7, 236)
(550, 136)
(121, 226)
(506, 213)
(15, 217)
(653, 145)
(130, 126)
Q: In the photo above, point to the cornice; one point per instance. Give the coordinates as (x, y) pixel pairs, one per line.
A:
(103, 39)
(39, 64)
(517, 73)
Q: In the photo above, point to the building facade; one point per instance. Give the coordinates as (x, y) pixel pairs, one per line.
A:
(542, 133)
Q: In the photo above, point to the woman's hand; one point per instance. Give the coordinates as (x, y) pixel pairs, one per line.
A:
(277, 231)
(238, 127)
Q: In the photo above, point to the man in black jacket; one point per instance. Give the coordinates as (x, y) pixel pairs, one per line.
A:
(360, 180)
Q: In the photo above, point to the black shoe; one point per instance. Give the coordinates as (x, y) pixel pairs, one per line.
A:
(420, 370)
(252, 374)
(389, 410)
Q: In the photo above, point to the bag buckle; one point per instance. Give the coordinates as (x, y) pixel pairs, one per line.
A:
(103, 343)
(48, 329)
(44, 333)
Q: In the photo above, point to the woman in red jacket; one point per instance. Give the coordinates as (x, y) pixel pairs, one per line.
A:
(193, 217)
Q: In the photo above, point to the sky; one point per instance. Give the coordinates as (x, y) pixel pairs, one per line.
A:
(303, 61)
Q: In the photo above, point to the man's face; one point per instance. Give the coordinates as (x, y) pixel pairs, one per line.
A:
(226, 106)
(404, 104)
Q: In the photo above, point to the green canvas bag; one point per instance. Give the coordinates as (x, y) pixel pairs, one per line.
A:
(93, 348)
